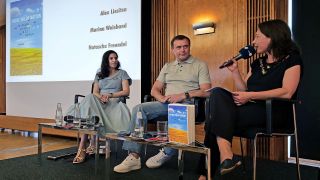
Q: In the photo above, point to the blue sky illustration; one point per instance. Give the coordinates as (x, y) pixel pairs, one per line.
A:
(26, 24)
(177, 117)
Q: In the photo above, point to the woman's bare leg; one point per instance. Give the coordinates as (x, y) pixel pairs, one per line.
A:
(225, 149)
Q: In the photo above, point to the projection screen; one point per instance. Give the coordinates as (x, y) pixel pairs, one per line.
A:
(54, 49)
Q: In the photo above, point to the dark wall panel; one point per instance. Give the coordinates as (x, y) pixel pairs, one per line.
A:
(306, 32)
(145, 48)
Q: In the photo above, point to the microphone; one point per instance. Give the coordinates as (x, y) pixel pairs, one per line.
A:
(244, 53)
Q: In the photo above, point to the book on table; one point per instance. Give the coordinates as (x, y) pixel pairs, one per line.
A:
(181, 123)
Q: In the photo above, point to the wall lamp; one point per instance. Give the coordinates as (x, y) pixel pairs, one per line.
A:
(203, 28)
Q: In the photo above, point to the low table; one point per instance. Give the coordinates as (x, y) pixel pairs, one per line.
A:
(180, 147)
(79, 131)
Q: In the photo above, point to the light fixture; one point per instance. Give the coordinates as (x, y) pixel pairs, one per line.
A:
(203, 28)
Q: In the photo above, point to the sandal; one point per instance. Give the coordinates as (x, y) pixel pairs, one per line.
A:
(80, 157)
(91, 150)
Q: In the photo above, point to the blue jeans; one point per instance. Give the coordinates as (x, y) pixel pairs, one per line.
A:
(149, 110)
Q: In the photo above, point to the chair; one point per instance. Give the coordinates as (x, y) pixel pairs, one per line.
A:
(123, 99)
(278, 123)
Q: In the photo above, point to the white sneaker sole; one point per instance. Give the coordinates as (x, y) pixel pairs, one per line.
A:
(127, 170)
(153, 167)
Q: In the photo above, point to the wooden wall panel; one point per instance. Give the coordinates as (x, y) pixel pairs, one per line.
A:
(160, 47)
(179, 16)
(212, 48)
(2, 12)
(3, 69)
(31, 124)
(236, 22)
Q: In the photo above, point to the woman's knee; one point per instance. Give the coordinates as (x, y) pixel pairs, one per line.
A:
(219, 94)
(218, 91)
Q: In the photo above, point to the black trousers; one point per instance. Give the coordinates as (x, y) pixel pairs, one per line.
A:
(225, 118)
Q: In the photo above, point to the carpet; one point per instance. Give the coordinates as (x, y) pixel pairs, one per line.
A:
(31, 167)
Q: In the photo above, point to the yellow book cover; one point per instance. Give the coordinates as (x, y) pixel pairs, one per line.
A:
(181, 123)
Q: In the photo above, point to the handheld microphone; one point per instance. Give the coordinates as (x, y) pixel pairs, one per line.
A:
(244, 53)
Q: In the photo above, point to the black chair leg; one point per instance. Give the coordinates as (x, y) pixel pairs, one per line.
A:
(116, 148)
(180, 164)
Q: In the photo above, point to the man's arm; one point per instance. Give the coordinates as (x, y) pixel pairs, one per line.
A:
(201, 92)
(175, 98)
(156, 92)
(204, 82)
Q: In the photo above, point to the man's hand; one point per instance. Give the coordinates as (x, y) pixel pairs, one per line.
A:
(164, 99)
(175, 98)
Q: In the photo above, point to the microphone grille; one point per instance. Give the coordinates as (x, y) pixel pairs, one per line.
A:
(247, 51)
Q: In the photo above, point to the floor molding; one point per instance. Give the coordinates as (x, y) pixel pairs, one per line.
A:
(306, 162)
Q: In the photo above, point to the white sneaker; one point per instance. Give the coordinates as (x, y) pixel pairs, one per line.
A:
(129, 164)
(157, 160)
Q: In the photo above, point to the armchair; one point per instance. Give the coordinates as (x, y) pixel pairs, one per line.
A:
(123, 99)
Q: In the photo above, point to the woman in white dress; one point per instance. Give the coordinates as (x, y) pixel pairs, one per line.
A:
(110, 84)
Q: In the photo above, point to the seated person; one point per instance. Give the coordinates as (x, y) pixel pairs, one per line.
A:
(275, 75)
(184, 78)
(110, 83)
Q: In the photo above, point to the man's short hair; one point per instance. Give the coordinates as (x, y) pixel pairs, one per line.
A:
(180, 37)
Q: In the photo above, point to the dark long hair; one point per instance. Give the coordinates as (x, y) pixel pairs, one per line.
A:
(281, 43)
(105, 64)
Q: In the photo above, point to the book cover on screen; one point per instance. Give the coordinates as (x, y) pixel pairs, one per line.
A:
(26, 38)
(181, 123)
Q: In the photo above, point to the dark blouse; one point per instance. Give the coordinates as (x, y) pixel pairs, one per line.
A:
(274, 72)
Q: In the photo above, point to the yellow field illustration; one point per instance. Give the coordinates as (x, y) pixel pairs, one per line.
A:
(178, 135)
(26, 61)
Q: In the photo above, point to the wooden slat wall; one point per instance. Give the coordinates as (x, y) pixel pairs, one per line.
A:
(159, 39)
(2, 69)
(19, 123)
(259, 11)
(169, 19)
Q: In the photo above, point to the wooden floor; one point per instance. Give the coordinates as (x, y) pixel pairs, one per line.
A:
(19, 143)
